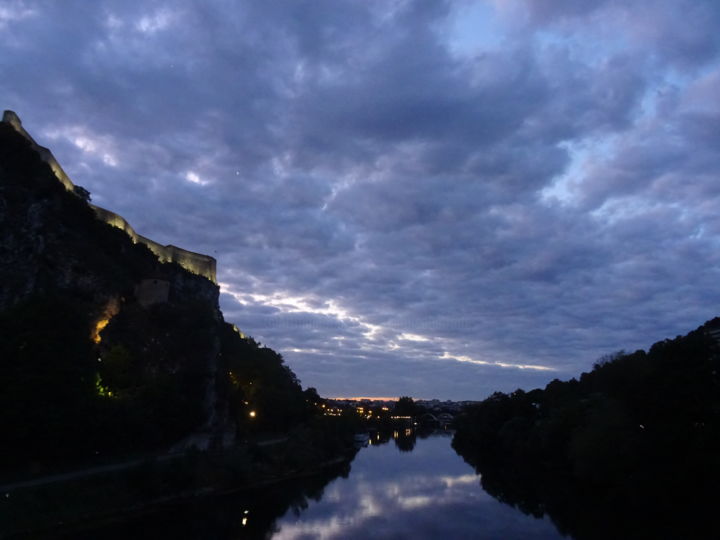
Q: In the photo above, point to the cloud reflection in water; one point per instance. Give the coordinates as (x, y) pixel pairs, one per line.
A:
(427, 493)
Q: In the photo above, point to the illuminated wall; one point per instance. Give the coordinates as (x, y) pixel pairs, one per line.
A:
(238, 331)
(9, 117)
(202, 265)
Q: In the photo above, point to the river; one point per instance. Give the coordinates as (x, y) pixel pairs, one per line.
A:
(401, 487)
(416, 488)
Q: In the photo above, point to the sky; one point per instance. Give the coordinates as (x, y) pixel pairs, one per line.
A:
(429, 198)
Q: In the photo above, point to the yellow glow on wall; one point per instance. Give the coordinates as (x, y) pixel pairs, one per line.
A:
(197, 263)
(238, 331)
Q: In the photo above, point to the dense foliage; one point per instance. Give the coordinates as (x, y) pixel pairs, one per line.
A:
(633, 445)
(263, 391)
(47, 390)
(91, 367)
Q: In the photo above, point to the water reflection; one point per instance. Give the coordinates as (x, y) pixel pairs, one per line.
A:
(402, 485)
(405, 440)
(415, 488)
(249, 515)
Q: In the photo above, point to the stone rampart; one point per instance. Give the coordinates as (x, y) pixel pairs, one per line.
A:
(202, 265)
(13, 119)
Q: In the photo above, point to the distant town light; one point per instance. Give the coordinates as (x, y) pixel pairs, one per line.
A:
(252, 414)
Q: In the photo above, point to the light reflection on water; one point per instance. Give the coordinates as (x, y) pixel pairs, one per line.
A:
(427, 493)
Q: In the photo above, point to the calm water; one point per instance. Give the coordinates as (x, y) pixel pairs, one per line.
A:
(408, 487)
(391, 492)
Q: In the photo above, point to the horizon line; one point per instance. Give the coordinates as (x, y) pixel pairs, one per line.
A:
(361, 398)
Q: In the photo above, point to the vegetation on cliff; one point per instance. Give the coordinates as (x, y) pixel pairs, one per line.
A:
(106, 351)
(630, 449)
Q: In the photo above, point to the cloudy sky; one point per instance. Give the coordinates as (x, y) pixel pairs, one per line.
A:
(426, 198)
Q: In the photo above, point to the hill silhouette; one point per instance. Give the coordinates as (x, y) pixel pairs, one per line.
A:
(628, 450)
(108, 349)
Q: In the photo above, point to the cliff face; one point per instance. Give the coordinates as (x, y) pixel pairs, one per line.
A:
(107, 347)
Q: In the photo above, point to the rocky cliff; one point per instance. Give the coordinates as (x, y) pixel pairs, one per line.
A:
(105, 346)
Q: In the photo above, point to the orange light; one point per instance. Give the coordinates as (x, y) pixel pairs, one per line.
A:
(102, 323)
(111, 309)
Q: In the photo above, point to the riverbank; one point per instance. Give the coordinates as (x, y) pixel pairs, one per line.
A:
(57, 508)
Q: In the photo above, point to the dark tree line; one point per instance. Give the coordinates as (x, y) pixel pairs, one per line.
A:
(630, 448)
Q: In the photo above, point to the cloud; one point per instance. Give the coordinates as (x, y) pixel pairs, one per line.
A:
(387, 190)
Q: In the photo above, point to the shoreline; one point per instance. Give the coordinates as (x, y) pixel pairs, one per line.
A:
(79, 521)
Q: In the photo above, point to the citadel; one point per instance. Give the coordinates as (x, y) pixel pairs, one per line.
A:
(202, 265)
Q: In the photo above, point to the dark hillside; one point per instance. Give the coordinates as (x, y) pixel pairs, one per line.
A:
(630, 450)
(105, 350)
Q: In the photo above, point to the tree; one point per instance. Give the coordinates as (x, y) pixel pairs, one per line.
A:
(405, 406)
(81, 192)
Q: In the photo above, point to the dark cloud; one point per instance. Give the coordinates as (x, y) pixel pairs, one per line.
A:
(397, 206)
